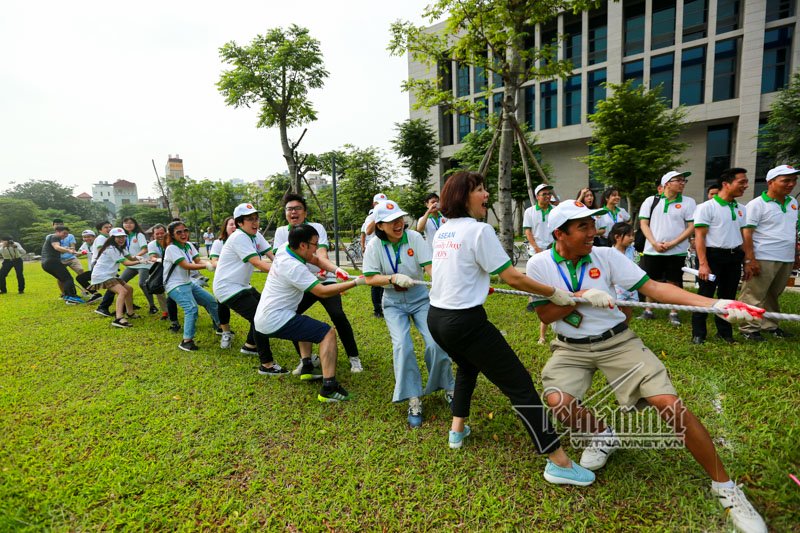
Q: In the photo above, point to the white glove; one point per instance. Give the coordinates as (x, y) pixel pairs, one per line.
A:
(561, 297)
(401, 280)
(360, 280)
(210, 266)
(342, 274)
(736, 311)
(599, 298)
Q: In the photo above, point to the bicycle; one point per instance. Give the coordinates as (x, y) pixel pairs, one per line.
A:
(354, 253)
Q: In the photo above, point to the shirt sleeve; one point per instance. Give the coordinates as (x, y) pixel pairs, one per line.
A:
(323, 236)
(489, 253)
(262, 244)
(702, 216)
(241, 245)
(534, 269)
(753, 214)
(527, 218)
(422, 251)
(644, 210)
(624, 273)
(372, 258)
(173, 254)
(742, 219)
(281, 236)
(300, 277)
(689, 207)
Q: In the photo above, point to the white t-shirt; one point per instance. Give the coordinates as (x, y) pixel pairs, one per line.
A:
(602, 269)
(282, 237)
(535, 218)
(89, 255)
(409, 258)
(107, 265)
(233, 268)
(208, 238)
(724, 222)
(774, 228)
(174, 255)
(607, 220)
(668, 220)
(369, 236)
(96, 245)
(153, 248)
(432, 225)
(136, 242)
(465, 253)
(216, 248)
(288, 279)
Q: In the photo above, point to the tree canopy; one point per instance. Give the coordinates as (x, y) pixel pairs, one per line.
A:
(780, 140)
(417, 146)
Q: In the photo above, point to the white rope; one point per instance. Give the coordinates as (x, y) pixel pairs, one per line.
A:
(620, 303)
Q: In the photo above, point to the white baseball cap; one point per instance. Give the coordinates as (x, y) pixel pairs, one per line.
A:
(541, 187)
(570, 210)
(380, 197)
(783, 170)
(116, 232)
(88, 232)
(244, 209)
(387, 211)
(669, 176)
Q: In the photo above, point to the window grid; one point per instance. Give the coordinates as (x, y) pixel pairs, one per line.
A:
(572, 100)
(693, 78)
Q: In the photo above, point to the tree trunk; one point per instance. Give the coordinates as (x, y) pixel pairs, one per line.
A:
(518, 217)
(506, 153)
(288, 155)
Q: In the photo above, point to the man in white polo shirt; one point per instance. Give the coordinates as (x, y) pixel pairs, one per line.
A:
(367, 234)
(539, 237)
(718, 240)
(593, 336)
(276, 316)
(666, 221)
(770, 248)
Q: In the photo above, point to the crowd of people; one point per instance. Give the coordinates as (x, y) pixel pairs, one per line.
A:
(460, 253)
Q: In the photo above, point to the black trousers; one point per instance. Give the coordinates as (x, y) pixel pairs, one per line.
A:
(476, 346)
(377, 300)
(333, 306)
(8, 264)
(60, 272)
(726, 264)
(245, 304)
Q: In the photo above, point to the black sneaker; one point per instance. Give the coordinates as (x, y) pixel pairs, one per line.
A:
(175, 327)
(333, 394)
(728, 340)
(96, 296)
(754, 336)
(121, 323)
(274, 370)
(249, 351)
(136, 307)
(188, 346)
(103, 311)
(307, 372)
(779, 333)
(153, 310)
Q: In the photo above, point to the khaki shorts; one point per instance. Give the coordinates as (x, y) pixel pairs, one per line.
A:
(74, 264)
(632, 370)
(107, 284)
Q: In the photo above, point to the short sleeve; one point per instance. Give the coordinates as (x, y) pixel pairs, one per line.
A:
(742, 219)
(626, 274)
(301, 278)
(262, 243)
(489, 253)
(702, 216)
(527, 218)
(644, 211)
(372, 258)
(534, 270)
(323, 236)
(423, 252)
(690, 206)
(242, 246)
(753, 215)
(173, 254)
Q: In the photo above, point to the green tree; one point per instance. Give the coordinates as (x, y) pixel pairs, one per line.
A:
(780, 140)
(16, 215)
(275, 72)
(417, 146)
(271, 203)
(46, 194)
(493, 36)
(634, 140)
(145, 215)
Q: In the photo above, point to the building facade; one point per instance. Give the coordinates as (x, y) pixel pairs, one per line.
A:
(114, 195)
(723, 59)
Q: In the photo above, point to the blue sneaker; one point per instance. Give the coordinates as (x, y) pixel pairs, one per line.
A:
(72, 300)
(457, 437)
(574, 475)
(414, 412)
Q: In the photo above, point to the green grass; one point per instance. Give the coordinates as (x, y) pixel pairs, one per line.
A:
(118, 429)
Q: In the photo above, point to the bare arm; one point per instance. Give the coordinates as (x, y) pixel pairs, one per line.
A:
(421, 223)
(60, 248)
(520, 281)
(670, 294)
(332, 289)
(751, 266)
(186, 265)
(530, 239)
(682, 237)
(700, 248)
(259, 263)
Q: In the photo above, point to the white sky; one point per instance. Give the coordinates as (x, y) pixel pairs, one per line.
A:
(94, 90)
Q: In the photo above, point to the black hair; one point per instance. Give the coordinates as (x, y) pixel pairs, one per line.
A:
(99, 225)
(728, 175)
(294, 197)
(455, 193)
(429, 196)
(170, 235)
(620, 229)
(58, 221)
(606, 195)
(712, 186)
(136, 227)
(111, 241)
(59, 229)
(379, 233)
(300, 233)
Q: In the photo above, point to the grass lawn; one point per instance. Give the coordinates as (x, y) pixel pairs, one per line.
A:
(105, 428)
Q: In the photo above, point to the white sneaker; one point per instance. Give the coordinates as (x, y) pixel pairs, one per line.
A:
(314, 361)
(595, 456)
(745, 517)
(225, 341)
(355, 365)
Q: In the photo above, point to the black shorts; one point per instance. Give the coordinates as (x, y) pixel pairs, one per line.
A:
(664, 267)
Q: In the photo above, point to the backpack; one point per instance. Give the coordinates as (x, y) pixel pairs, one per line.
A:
(155, 278)
(639, 239)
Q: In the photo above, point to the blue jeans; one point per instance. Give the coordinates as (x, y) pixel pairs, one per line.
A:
(188, 297)
(399, 309)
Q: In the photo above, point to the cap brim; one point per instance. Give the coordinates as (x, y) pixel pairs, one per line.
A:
(393, 216)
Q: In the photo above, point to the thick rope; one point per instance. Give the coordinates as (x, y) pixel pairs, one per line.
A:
(671, 307)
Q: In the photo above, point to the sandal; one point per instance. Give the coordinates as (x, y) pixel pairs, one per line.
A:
(133, 315)
(121, 323)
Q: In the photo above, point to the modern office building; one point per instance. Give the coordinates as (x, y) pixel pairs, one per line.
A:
(114, 195)
(723, 59)
(174, 167)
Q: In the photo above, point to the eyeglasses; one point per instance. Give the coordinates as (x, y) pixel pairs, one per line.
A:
(679, 180)
(255, 218)
(295, 208)
(315, 244)
(181, 231)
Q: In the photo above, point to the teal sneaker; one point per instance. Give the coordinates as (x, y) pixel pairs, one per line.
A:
(457, 437)
(574, 475)
(414, 412)
(333, 394)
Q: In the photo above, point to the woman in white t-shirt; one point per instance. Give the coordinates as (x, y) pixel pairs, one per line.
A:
(136, 243)
(395, 259)
(614, 213)
(465, 253)
(104, 275)
(228, 227)
(178, 284)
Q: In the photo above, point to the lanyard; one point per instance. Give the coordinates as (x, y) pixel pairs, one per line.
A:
(396, 263)
(436, 222)
(579, 281)
(613, 216)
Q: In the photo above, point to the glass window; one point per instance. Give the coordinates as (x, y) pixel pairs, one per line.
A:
(497, 103)
(694, 19)
(718, 152)
(634, 70)
(594, 89)
(462, 80)
(530, 107)
(779, 9)
(728, 15)
(463, 127)
(480, 121)
(777, 53)
(479, 79)
(661, 72)
(598, 37)
(693, 79)
(634, 27)
(445, 75)
(548, 105)
(445, 126)
(572, 46)
(550, 37)
(725, 61)
(572, 100)
(497, 79)
(663, 20)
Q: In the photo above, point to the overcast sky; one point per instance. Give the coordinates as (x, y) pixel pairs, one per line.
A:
(94, 90)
